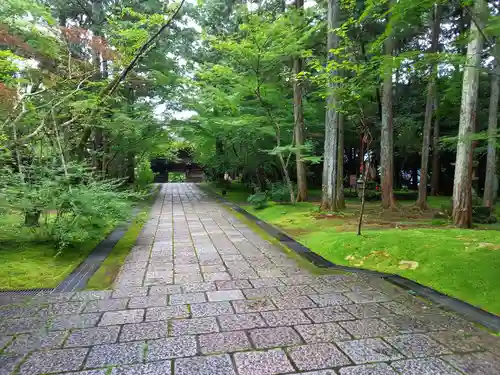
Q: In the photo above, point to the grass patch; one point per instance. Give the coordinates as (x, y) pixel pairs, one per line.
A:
(104, 277)
(28, 261)
(462, 263)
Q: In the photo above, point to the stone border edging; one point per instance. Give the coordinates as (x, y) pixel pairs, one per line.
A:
(471, 312)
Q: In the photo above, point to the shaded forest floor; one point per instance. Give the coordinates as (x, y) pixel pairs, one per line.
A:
(408, 242)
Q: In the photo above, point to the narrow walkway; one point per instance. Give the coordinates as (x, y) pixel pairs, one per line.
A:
(202, 294)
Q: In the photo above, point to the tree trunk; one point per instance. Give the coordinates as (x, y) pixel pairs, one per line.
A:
(386, 139)
(130, 167)
(462, 195)
(299, 128)
(32, 218)
(340, 164)
(329, 185)
(491, 160)
(429, 110)
(436, 163)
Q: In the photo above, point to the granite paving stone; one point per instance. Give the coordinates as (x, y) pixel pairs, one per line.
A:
(457, 341)
(138, 291)
(475, 363)
(241, 321)
(369, 350)
(254, 305)
(62, 308)
(265, 282)
(171, 347)
(322, 332)
(317, 356)
(328, 314)
(198, 287)
(164, 289)
(147, 301)
(364, 328)
(206, 365)
(330, 299)
(115, 354)
(22, 325)
(54, 361)
(370, 369)
(122, 317)
(87, 372)
(417, 345)
(153, 368)
(225, 295)
(194, 326)
(256, 293)
(300, 302)
(224, 342)
(199, 310)
(63, 322)
(106, 305)
(26, 343)
(367, 310)
(285, 318)
(274, 337)
(8, 362)
(4, 340)
(367, 296)
(165, 313)
(90, 295)
(92, 336)
(269, 362)
(182, 299)
(424, 366)
(232, 284)
(144, 331)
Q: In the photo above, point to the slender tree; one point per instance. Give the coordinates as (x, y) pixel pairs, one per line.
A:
(436, 162)
(329, 185)
(429, 110)
(491, 159)
(386, 139)
(299, 128)
(462, 185)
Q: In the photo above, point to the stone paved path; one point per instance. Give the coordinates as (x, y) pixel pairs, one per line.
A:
(201, 294)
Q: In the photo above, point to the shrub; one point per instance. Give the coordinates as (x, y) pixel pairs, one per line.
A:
(258, 200)
(279, 192)
(144, 175)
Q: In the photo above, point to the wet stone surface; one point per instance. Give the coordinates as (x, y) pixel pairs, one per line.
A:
(201, 293)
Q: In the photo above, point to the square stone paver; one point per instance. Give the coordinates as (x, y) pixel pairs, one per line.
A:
(62, 308)
(328, 314)
(164, 290)
(367, 310)
(193, 326)
(224, 342)
(457, 341)
(330, 299)
(269, 362)
(254, 293)
(330, 288)
(254, 305)
(165, 313)
(63, 322)
(207, 365)
(367, 296)
(54, 361)
(26, 343)
(115, 354)
(371, 369)
(144, 331)
(211, 309)
(198, 287)
(106, 305)
(182, 299)
(369, 350)
(322, 332)
(232, 284)
(365, 328)
(417, 345)
(147, 301)
(261, 283)
(295, 290)
(90, 295)
(133, 291)
(285, 318)
(225, 295)
(8, 362)
(300, 302)
(241, 321)
(154, 368)
(171, 347)
(216, 276)
(424, 366)
(317, 356)
(93, 336)
(122, 317)
(274, 337)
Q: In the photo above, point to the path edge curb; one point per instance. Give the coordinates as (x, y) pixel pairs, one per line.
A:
(471, 312)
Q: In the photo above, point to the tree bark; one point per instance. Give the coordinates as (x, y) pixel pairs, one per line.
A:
(329, 184)
(491, 159)
(462, 194)
(429, 111)
(299, 128)
(131, 167)
(386, 139)
(340, 164)
(436, 163)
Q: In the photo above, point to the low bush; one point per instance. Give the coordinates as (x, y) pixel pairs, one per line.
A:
(258, 200)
